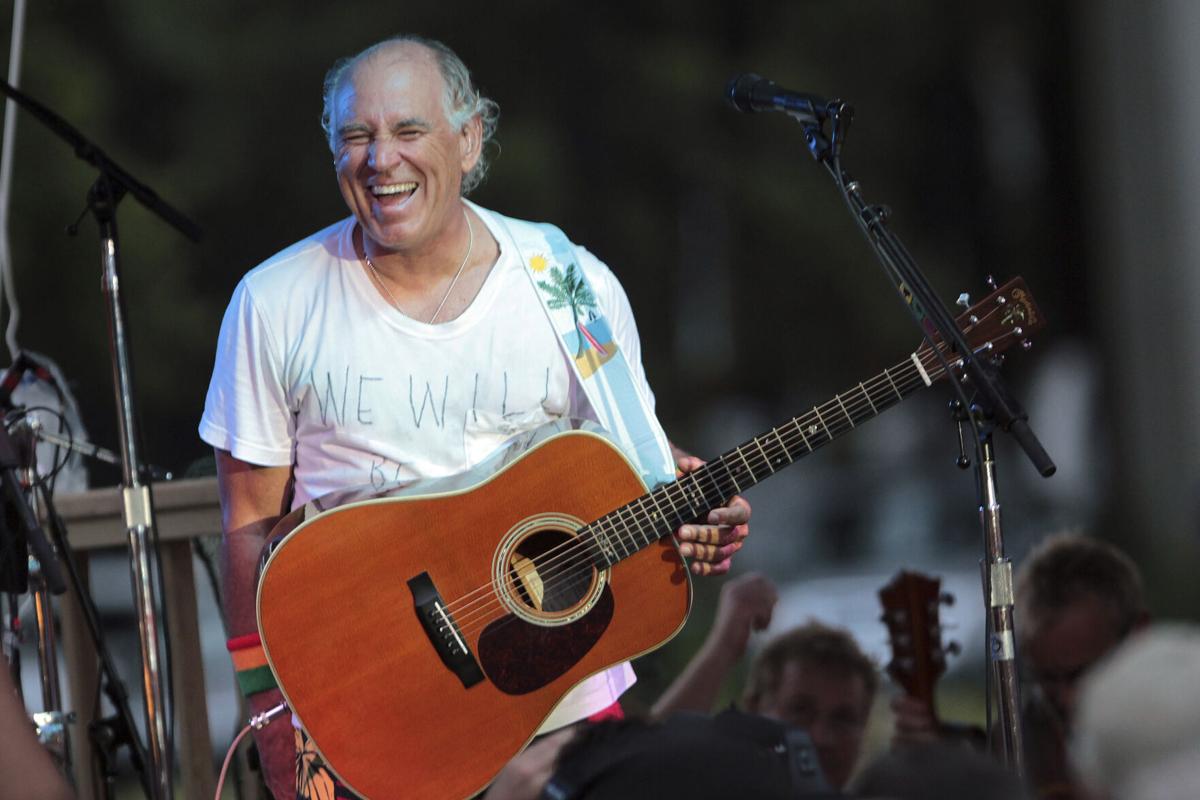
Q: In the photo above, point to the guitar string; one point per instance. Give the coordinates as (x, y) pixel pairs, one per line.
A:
(625, 515)
(574, 545)
(481, 618)
(567, 572)
(578, 544)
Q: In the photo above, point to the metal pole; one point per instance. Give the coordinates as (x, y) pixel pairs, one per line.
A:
(998, 589)
(138, 510)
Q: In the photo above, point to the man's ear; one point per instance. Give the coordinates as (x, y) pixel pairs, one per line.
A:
(470, 143)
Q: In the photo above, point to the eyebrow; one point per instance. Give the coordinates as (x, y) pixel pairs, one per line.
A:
(362, 127)
(352, 127)
(411, 122)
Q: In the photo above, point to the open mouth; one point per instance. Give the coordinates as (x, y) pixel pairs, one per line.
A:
(394, 191)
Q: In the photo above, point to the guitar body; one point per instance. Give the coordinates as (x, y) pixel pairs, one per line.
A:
(353, 606)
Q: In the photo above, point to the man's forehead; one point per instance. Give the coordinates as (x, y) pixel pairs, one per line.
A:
(391, 59)
(802, 677)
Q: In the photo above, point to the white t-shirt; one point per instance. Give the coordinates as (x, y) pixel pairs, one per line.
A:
(318, 371)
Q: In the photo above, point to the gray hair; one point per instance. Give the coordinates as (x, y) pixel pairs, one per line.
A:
(461, 100)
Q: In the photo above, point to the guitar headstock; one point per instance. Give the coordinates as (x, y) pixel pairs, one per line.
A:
(911, 603)
(1006, 317)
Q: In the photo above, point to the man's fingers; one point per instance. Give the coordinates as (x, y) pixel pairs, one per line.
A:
(713, 534)
(709, 552)
(705, 568)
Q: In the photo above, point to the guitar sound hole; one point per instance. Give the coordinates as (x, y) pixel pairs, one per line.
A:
(549, 571)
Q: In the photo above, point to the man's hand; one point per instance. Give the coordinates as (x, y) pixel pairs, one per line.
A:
(914, 723)
(746, 604)
(711, 546)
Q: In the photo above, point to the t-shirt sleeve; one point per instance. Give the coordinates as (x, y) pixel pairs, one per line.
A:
(246, 410)
(615, 304)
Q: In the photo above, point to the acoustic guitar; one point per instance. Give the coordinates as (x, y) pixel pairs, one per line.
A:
(911, 611)
(422, 641)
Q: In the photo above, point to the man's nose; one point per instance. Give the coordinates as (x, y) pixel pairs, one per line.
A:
(384, 154)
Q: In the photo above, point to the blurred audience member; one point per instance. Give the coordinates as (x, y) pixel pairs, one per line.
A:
(936, 771)
(1076, 599)
(1137, 726)
(813, 677)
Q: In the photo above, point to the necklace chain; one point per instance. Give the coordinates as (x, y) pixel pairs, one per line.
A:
(453, 281)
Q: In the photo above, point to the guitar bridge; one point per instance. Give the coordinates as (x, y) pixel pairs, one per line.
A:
(442, 631)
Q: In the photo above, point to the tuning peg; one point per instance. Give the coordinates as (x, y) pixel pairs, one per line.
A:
(963, 301)
(991, 283)
(1026, 345)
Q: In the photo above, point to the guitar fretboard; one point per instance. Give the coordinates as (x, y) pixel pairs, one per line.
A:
(638, 524)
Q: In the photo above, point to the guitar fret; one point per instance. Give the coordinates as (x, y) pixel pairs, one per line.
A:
(622, 532)
(649, 528)
(867, 395)
(666, 491)
(607, 550)
(888, 375)
(762, 452)
(656, 516)
(738, 450)
(787, 453)
(636, 534)
(695, 501)
(821, 419)
(721, 492)
(838, 397)
(800, 429)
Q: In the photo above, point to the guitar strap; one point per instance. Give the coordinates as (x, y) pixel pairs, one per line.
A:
(551, 263)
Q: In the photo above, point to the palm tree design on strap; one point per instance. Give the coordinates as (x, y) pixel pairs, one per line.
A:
(571, 290)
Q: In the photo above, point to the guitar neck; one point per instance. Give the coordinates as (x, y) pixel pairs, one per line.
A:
(652, 516)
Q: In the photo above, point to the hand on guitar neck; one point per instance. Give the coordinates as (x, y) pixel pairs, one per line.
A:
(910, 611)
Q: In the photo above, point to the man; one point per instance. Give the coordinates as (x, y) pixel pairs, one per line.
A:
(1076, 599)
(409, 340)
(813, 677)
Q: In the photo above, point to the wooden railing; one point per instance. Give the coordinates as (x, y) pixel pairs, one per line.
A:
(184, 510)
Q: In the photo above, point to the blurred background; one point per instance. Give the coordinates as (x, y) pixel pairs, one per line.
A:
(1044, 138)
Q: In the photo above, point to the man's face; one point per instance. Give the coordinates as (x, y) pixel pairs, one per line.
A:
(1067, 644)
(399, 163)
(831, 705)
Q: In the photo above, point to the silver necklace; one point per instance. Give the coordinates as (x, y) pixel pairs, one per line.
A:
(379, 280)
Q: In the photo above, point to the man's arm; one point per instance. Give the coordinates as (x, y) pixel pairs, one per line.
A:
(746, 604)
(253, 498)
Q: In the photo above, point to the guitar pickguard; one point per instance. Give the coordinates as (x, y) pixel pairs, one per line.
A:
(519, 657)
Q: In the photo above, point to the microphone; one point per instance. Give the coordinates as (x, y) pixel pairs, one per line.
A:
(750, 93)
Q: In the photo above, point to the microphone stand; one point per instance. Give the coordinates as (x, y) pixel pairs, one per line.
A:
(995, 407)
(102, 200)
